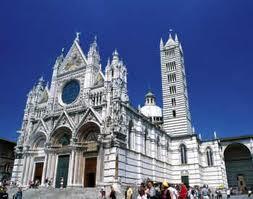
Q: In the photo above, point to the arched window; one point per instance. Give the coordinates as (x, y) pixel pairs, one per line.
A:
(145, 141)
(158, 147)
(168, 147)
(209, 156)
(183, 152)
(130, 128)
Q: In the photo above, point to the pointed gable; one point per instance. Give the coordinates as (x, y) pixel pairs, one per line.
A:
(90, 116)
(99, 79)
(74, 59)
(64, 120)
(40, 127)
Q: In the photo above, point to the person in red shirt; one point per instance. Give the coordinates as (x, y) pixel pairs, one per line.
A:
(183, 192)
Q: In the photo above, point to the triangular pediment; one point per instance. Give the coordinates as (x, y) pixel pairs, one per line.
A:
(90, 116)
(40, 127)
(74, 59)
(64, 120)
(99, 79)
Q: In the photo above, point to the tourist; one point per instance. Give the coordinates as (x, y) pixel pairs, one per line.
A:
(183, 191)
(50, 182)
(37, 183)
(129, 193)
(165, 194)
(113, 193)
(219, 194)
(62, 182)
(142, 194)
(228, 193)
(102, 194)
(204, 192)
(18, 194)
(3, 191)
(46, 182)
(151, 192)
(173, 191)
(249, 192)
(31, 184)
(191, 193)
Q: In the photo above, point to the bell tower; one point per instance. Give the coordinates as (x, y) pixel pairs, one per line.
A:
(176, 114)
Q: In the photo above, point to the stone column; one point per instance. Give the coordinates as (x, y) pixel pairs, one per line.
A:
(27, 170)
(100, 166)
(78, 169)
(54, 159)
(45, 166)
(71, 168)
(24, 169)
(49, 162)
(31, 169)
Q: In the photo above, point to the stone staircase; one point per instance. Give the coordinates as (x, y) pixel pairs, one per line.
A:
(51, 193)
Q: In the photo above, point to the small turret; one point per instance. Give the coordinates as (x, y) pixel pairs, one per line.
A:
(40, 85)
(93, 54)
(176, 38)
(151, 110)
(115, 57)
(161, 43)
(116, 77)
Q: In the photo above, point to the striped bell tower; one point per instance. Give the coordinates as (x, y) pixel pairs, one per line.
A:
(176, 114)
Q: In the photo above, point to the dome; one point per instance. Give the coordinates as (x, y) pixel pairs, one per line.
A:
(150, 109)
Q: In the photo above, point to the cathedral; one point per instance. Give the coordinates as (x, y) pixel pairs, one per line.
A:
(82, 131)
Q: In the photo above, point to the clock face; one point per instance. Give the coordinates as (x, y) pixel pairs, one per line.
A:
(70, 91)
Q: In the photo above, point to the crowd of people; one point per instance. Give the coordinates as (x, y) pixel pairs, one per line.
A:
(150, 190)
(147, 190)
(3, 191)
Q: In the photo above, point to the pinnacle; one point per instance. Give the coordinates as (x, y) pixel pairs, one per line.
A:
(115, 53)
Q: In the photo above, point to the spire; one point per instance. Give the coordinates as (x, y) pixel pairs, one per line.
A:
(41, 80)
(176, 38)
(115, 53)
(115, 56)
(77, 36)
(215, 135)
(180, 47)
(108, 61)
(170, 37)
(161, 43)
(40, 84)
(170, 41)
(94, 44)
(47, 86)
(193, 129)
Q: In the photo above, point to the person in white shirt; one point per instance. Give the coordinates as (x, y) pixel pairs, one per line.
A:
(228, 193)
(173, 192)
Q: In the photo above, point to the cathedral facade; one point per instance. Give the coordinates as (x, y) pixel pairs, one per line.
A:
(82, 131)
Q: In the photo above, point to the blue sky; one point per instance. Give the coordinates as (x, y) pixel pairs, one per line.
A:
(216, 37)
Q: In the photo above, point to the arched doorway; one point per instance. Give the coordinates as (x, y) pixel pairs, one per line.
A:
(87, 137)
(60, 141)
(239, 166)
(37, 144)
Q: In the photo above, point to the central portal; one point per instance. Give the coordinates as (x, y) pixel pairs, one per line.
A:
(38, 171)
(62, 171)
(90, 172)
